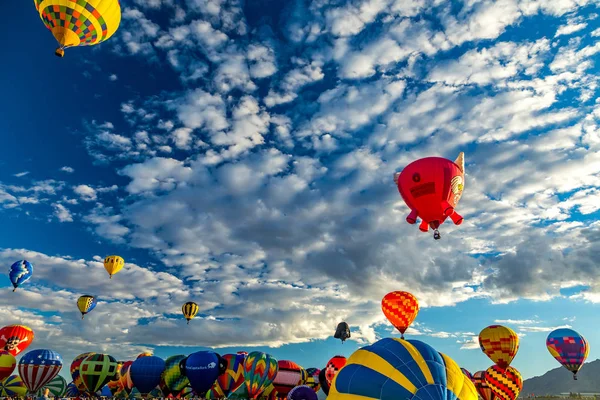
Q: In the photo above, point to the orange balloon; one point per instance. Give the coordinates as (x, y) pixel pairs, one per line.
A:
(401, 309)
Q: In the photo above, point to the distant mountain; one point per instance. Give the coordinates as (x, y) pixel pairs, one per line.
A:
(559, 380)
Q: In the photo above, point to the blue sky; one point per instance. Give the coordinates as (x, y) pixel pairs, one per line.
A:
(241, 155)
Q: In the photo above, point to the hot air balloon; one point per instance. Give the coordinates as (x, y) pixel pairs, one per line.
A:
(72, 390)
(202, 369)
(97, 370)
(13, 386)
(312, 379)
(145, 373)
(189, 309)
(259, 371)
(75, 371)
(232, 378)
(568, 348)
(57, 386)
(302, 392)
(505, 383)
(342, 332)
(125, 379)
(334, 365)
(482, 388)
(467, 373)
(144, 354)
(401, 309)
(38, 367)
(113, 264)
(86, 303)
(79, 23)
(7, 364)
(15, 338)
(20, 272)
(323, 382)
(172, 375)
(431, 187)
(500, 344)
(289, 375)
(401, 369)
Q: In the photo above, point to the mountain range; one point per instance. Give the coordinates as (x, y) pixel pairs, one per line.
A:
(559, 380)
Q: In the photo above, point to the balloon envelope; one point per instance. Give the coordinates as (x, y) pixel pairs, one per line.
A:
(302, 392)
(15, 338)
(113, 264)
(499, 343)
(75, 373)
(172, 375)
(38, 367)
(13, 386)
(431, 187)
(7, 364)
(145, 373)
(569, 348)
(400, 308)
(202, 370)
(97, 370)
(20, 272)
(400, 369)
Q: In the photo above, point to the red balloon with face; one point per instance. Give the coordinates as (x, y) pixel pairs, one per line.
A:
(15, 338)
(431, 187)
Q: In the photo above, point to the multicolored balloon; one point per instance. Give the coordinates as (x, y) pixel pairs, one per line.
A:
(173, 377)
(72, 390)
(145, 373)
(569, 348)
(20, 272)
(289, 376)
(312, 379)
(482, 388)
(86, 303)
(401, 309)
(97, 370)
(15, 338)
(125, 379)
(75, 374)
(334, 365)
(79, 23)
(233, 376)
(38, 367)
(13, 386)
(7, 364)
(506, 384)
(418, 371)
(431, 187)
(500, 344)
(467, 373)
(259, 371)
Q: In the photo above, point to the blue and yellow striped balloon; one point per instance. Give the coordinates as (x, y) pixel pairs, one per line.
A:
(400, 369)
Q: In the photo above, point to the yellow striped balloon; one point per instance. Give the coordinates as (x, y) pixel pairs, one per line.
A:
(79, 22)
(499, 343)
(190, 309)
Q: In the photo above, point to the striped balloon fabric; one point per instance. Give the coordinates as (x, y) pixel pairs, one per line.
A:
(13, 386)
(505, 383)
(568, 348)
(392, 369)
(57, 387)
(39, 367)
(482, 388)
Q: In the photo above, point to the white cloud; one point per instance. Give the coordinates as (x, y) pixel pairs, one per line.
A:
(62, 213)
(85, 192)
(113, 78)
(68, 170)
(21, 174)
(570, 28)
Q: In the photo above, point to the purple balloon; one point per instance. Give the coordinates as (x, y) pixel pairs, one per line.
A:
(302, 393)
